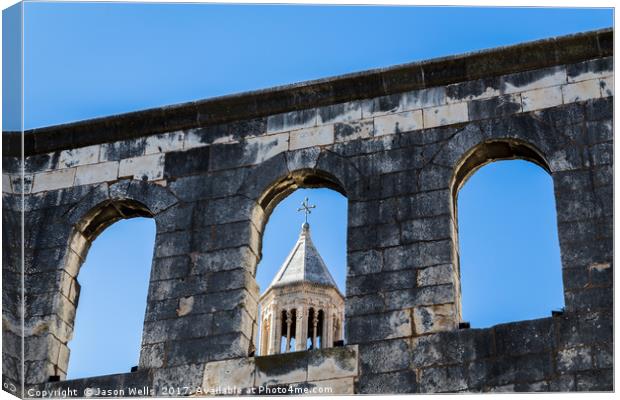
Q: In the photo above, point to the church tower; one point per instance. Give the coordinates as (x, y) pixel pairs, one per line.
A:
(302, 308)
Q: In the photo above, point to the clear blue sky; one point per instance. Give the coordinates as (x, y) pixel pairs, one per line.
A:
(89, 60)
(110, 314)
(94, 59)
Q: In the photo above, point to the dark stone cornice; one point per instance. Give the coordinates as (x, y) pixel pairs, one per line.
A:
(356, 86)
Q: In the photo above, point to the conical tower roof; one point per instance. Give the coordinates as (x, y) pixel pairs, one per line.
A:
(303, 264)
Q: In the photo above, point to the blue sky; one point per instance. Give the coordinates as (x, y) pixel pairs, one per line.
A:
(110, 314)
(94, 59)
(89, 60)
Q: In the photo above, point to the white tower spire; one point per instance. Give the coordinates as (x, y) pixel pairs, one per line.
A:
(302, 308)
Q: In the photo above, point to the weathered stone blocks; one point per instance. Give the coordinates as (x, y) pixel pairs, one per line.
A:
(396, 123)
(581, 91)
(238, 373)
(53, 180)
(445, 115)
(397, 143)
(437, 318)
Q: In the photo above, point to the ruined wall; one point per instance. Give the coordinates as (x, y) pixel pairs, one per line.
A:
(398, 143)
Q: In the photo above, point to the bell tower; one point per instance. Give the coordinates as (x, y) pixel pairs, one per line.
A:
(302, 308)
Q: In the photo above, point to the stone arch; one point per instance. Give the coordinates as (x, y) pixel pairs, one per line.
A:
(273, 180)
(106, 205)
(298, 179)
(102, 207)
(490, 151)
(484, 153)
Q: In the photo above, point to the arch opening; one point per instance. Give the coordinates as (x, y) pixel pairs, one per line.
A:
(495, 150)
(300, 179)
(114, 246)
(296, 310)
(507, 248)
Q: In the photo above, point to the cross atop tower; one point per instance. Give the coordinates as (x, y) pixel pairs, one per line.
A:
(306, 209)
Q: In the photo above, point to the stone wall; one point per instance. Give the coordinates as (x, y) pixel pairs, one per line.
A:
(319, 372)
(399, 143)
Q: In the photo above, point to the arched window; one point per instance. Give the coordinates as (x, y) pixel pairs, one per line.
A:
(114, 282)
(509, 254)
(300, 321)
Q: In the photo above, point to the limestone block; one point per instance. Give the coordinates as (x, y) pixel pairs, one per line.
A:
(602, 355)
(562, 383)
(434, 318)
(574, 359)
(291, 120)
(74, 292)
(536, 79)
(385, 356)
(426, 229)
(163, 143)
(591, 69)
(343, 112)
(80, 156)
(448, 379)
(382, 105)
(122, 149)
(331, 387)
(392, 382)
(152, 356)
(193, 138)
(232, 321)
(445, 115)
(237, 373)
(564, 160)
(78, 243)
(281, 369)
(303, 158)
(72, 263)
(437, 275)
(38, 371)
(365, 262)
(472, 90)
(166, 381)
(541, 98)
(494, 106)
(424, 98)
(53, 180)
(523, 337)
(95, 173)
(65, 283)
(263, 148)
(18, 186)
(581, 91)
(193, 326)
(389, 325)
(6, 184)
(149, 167)
(41, 347)
(455, 347)
(395, 123)
(362, 129)
(318, 136)
(337, 362)
(63, 356)
(598, 380)
(607, 86)
(425, 295)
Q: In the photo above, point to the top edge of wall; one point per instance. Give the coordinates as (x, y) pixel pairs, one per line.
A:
(355, 86)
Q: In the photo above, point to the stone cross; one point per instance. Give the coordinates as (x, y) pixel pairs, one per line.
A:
(306, 208)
